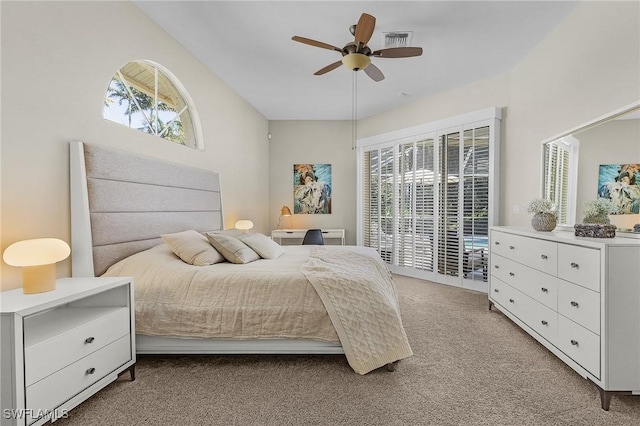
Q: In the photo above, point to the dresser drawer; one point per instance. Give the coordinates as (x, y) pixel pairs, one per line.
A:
(518, 303)
(580, 265)
(580, 344)
(538, 285)
(538, 254)
(580, 305)
(545, 322)
(64, 384)
(498, 291)
(93, 328)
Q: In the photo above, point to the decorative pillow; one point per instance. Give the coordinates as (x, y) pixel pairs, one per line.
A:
(193, 248)
(232, 249)
(232, 232)
(263, 245)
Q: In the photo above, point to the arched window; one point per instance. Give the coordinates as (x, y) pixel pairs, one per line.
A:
(144, 95)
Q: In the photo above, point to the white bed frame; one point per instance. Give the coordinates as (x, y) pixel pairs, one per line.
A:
(111, 178)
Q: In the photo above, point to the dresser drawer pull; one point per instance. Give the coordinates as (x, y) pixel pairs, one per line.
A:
(511, 300)
(512, 274)
(89, 339)
(496, 266)
(544, 322)
(497, 243)
(91, 370)
(574, 342)
(574, 265)
(495, 290)
(544, 257)
(574, 304)
(511, 248)
(544, 290)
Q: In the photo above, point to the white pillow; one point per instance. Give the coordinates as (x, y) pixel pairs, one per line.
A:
(193, 248)
(263, 245)
(234, 250)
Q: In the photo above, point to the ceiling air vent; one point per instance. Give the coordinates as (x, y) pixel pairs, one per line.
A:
(396, 39)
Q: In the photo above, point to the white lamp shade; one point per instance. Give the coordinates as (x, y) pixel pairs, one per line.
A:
(39, 251)
(244, 224)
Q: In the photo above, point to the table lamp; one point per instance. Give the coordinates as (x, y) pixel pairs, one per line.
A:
(284, 211)
(244, 225)
(38, 259)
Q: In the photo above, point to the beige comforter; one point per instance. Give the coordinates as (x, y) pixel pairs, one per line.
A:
(268, 299)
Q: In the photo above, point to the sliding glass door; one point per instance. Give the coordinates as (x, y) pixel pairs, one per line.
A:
(427, 201)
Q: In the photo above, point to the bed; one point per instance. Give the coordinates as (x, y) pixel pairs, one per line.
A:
(303, 302)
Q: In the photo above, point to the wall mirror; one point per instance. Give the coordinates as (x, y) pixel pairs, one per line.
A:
(600, 158)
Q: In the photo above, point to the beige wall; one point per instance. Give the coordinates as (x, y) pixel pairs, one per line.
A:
(302, 142)
(57, 61)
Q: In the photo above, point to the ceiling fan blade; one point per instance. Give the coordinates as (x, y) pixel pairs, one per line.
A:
(315, 43)
(328, 68)
(364, 30)
(374, 72)
(398, 52)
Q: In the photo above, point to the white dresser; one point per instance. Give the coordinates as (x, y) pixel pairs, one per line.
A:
(579, 297)
(62, 346)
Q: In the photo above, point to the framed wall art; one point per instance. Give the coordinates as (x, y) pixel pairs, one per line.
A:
(312, 188)
(621, 184)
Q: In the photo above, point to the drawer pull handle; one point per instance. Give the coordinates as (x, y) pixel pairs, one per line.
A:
(544, 322)
(511, 248)
(89, 339)
(497, 243)
(91, 370)
(511, 300)
(495, 290)
(496, 266)
(574, 342)
(574, 265)
(512, 274)
(574, 304)
(544, 257)
(544, 290)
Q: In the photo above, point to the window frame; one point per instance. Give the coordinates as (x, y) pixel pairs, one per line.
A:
(180, 89)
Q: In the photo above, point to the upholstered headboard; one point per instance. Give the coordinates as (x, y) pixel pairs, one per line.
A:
(121, 203)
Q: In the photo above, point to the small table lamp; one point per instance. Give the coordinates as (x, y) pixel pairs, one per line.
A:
(244, 225)
(38, 259)
(284, 211)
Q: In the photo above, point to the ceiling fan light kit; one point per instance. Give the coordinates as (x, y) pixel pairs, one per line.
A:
(356, 61)
(356, 55)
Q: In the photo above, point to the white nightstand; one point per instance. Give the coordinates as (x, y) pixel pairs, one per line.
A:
(62, 346)
(295, 236)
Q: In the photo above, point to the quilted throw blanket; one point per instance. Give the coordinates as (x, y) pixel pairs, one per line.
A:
(363, 306)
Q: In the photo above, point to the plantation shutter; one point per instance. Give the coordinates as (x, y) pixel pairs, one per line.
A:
(428, 201)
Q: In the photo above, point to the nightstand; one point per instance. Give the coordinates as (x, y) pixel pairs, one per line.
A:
(62, 346)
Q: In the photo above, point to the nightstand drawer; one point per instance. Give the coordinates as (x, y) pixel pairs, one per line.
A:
(62, 385)
(76, 331)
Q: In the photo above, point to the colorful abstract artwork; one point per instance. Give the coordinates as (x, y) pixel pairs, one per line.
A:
(312, 188)
(621, 184)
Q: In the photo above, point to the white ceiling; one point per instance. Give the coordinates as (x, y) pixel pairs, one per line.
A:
(248, 45)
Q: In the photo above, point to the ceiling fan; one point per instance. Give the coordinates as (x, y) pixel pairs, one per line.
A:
(357, 55)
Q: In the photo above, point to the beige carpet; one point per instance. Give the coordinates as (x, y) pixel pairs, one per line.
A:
(471, 366)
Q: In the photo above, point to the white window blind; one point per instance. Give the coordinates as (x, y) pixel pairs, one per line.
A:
(560, 162)
(427, 202)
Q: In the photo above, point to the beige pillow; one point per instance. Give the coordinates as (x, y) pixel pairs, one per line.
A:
(263, 245)
(193, 248)
(232, 249)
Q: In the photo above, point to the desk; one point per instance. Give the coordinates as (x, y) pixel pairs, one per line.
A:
(298, 234)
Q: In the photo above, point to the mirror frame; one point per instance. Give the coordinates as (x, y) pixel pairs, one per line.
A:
(581, 128)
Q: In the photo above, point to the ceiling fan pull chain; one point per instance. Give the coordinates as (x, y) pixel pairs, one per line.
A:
(354, 111)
